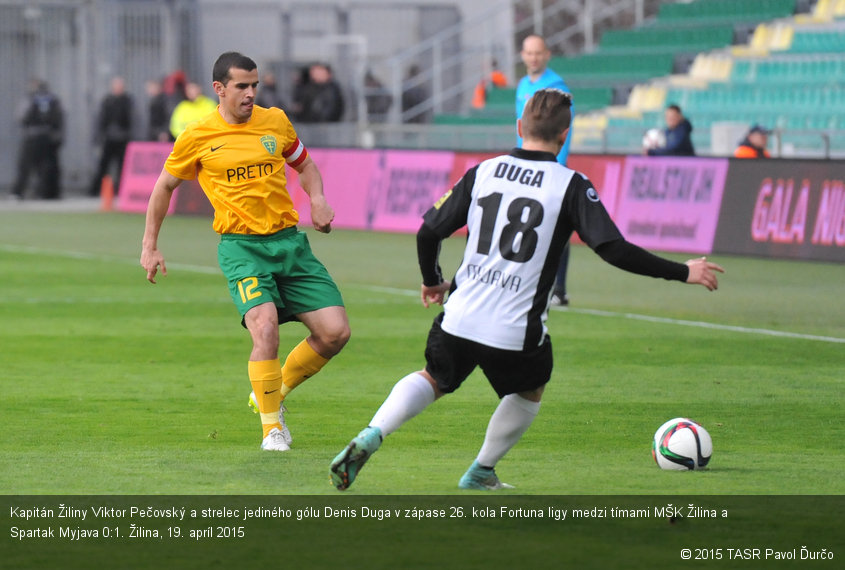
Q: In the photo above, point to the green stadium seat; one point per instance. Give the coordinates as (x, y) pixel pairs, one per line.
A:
(607, 69)
(587, 99)
(818, 42)
(502, 96)
(666, 40)
(495, 111)
(724, 11)
(472, 119)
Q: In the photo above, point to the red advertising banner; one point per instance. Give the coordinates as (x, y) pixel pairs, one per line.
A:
(784, 208)
(671, 204)
(605, 172)
(463, 161)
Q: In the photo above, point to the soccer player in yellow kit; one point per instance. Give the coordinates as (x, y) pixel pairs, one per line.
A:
(238, 153)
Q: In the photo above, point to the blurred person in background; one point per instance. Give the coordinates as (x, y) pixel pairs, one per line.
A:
(158, 120)
(414, 94)
(535, 56)
(173, 86)
(194, 107)
(678, 133)
(322, 99)
(268, 92)
(495, 79)
(112, 131)
(754, 144)
(300, 80)
(42, 123)
(377, 96)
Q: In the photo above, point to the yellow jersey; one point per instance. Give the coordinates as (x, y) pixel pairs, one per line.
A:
(241, 169)
(187, 111)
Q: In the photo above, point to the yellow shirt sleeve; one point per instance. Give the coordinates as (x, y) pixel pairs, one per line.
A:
(182, 161)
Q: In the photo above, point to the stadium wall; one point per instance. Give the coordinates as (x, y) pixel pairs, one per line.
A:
(772, 208)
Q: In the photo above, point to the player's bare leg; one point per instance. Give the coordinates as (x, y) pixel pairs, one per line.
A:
(265, 375)
(329, 328)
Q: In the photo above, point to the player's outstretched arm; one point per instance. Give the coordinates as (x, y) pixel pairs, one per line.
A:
(151, 257)
(635, 259)
(702, 272)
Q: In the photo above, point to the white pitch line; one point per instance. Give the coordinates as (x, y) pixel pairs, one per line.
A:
(412, 293)
(105, 258)
(706, 325)
(648, 318)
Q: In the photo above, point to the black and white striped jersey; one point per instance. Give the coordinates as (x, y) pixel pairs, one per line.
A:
(520, 210)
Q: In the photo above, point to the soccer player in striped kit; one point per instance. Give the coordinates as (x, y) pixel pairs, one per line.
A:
(238, 153)
(520, 210)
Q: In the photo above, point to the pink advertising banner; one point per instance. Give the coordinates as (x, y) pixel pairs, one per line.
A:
(141, 166)
(381, 190)
(659, 203)
(671, 204)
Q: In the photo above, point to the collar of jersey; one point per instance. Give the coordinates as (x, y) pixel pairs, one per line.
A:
(224, 123)
(533, 155)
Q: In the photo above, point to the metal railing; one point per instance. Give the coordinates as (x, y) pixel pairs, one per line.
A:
(472, 63)
(784, 143)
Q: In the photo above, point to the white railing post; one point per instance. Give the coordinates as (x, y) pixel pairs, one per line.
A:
(588, 25)
(537, 12)
(437, 77)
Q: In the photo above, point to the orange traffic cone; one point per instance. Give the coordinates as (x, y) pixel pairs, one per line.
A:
(106, 194)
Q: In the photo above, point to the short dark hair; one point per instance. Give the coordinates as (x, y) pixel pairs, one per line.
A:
(675, 108)
(227, 61)
(547, 114)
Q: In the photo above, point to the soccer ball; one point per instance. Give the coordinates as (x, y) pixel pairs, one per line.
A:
(682, 444)
(654, 138)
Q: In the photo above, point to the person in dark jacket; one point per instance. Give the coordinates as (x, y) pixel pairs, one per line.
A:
(113, 131)
(41, 119)
(678, 135)
(158, 113)
(322, 99)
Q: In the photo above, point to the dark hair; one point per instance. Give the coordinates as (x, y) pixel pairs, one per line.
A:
(547, 114)
(675, 108)
(227, 61)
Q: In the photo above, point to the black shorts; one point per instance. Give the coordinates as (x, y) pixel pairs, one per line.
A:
(450, 359)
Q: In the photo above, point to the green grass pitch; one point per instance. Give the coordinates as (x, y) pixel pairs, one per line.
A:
(111, 385)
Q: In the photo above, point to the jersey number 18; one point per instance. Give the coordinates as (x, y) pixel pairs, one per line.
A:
(511, 249)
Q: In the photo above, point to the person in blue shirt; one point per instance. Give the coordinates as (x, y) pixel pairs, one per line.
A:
(535, 55)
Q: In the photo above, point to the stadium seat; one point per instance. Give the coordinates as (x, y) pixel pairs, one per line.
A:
(776, 36)
(734, 11)
(709, 67)
(587, 99)
(807, 41)
(501, 97)
(604, 70)
(646, 97)
(666, 40)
